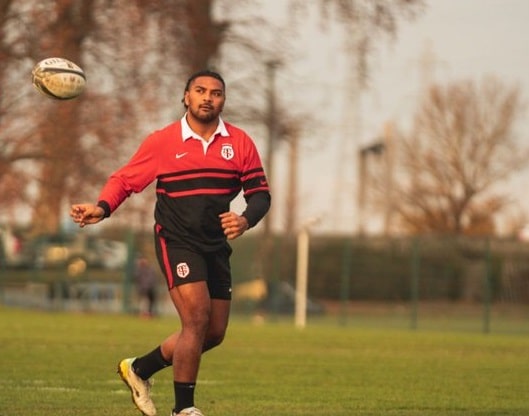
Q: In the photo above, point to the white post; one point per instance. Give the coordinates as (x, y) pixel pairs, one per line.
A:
(301, 278)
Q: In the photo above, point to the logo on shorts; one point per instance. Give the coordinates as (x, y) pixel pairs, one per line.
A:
(182, 270)
(227, 151)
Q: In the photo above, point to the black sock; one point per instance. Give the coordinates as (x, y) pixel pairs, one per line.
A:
(150, 363)
(184, 395)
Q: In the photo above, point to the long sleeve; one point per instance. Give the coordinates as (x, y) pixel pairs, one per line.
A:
(133, 177)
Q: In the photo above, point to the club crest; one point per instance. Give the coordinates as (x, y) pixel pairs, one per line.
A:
(227, 151)
(182, 270)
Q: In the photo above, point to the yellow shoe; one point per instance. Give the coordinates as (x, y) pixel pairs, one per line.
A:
(140, 389)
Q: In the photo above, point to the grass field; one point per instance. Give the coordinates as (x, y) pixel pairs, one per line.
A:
(58, 364)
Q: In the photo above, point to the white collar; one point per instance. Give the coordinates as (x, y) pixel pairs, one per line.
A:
(188, 133)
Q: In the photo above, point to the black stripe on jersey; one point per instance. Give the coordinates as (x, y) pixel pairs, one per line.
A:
(254, 179)
(197, 183)
(256, 182)
(199, 172)
(251, 171)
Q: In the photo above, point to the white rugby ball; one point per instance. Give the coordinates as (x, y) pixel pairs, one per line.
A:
(58, 78)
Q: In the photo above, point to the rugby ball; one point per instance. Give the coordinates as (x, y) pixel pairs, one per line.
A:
(58, 78)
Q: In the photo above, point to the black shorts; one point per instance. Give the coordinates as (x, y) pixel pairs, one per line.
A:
(181, 266)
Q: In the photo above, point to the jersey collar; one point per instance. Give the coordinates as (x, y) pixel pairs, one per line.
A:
(188, 133)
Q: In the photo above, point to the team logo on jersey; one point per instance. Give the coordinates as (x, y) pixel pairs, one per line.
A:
(227, 151)
(182, 270)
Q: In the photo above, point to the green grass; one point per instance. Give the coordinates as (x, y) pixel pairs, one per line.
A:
(58, 364)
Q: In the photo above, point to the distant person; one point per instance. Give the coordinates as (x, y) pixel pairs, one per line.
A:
(146, 282)
(201, 163)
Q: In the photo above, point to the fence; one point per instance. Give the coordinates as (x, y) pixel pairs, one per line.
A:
(419, 282)
(414, 282)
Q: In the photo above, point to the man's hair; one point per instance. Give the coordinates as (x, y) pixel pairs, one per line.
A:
(203, 73)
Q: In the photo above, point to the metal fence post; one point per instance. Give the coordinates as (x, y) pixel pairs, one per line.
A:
(344, 281)
(128, 273)
(487, 297)
(415, 265)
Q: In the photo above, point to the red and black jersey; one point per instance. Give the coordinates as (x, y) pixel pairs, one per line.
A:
(194, 184)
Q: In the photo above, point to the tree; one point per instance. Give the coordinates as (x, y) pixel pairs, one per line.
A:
(451, 165)
(15, 148)
(364, 24)
(60, 132)
(65, 150)
(49, 150)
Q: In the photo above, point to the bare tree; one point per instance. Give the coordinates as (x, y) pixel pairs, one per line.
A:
(50, 149)
(13, 152)
(134, 53)
(365, 24)
(67, 148)
(451, 165)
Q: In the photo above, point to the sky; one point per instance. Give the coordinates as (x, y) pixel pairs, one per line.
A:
(464, 40)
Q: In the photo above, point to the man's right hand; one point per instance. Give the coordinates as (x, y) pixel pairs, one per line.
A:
(84, 214)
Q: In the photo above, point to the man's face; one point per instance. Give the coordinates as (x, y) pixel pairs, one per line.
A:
(205, 98)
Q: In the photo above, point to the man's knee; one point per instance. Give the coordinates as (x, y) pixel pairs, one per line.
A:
(198, 321)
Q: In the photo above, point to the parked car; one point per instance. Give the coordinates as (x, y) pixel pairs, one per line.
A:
(78, 252)
(282, 299)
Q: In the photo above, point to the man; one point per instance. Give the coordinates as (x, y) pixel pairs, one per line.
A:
(146, 286)
(200, 163)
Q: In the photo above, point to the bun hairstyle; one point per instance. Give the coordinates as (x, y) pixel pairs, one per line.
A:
(203, 73)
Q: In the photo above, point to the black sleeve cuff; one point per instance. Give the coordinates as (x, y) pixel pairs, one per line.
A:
(258, 206)
(105, 206)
